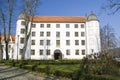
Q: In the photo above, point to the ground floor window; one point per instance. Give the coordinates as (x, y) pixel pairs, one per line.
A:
(77, 52)
(83, 52)
(41, 52)
(48, 52)
(32, 52)
(68, 52)
(21, 52)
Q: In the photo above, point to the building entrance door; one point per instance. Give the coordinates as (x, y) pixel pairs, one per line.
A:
(57, 54)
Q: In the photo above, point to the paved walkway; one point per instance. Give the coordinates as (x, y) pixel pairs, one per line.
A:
(8, 73)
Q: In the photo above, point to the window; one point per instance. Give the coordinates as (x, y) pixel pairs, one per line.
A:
(82, 42)
(33, 42)
(57, 25)
(21, 52)
(41, 25)
(41, 52)
(21, 40)
(57, 42)
(22, 22)
(67, 25)
(48, 52)
(76, 25)
(32, 52)
(76, 52)
(57, 34)
(48, 34)
(76, 34)
(76, 42)
(33, 33)
(67, 42)
(83, 52)
(82, 34)
(68, 52)
(22, 31)
(33, 25)
(48, 42)
(41, 42)
(41, 33)
(67, 34)
(48, 25)
(82, 25)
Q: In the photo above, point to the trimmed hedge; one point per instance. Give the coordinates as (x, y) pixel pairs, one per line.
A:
(62, 69)
(95, 77)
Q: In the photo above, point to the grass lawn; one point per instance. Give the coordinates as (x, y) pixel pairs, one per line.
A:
(70, 68)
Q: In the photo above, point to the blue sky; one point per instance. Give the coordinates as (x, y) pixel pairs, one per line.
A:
(80, 8)
(76, 8)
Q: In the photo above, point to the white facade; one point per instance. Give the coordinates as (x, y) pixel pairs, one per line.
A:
(10, 46)
(59, 39)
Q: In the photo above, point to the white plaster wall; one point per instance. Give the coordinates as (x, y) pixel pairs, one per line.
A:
(91, 34)
(93, 37)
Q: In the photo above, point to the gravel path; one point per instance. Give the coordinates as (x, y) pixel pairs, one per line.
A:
(8, 73)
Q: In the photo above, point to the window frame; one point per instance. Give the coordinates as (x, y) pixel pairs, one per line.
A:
(77, 52)
(41, 25)
(41, 34)
(41, 42)
(32, 52)
(68, 52)
(83, 42)
(41, 52)
(32, 42)
(75, 25)
(76, 42)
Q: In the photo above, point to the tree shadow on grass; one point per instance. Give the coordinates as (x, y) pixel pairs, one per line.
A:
(7, 70)
(49, 77)
(17, 75)
(4, 69)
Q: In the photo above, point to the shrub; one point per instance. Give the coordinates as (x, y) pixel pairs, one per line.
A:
(28, 67)
(47, 69)
(95, 77)
(40, 68)
(63, 73)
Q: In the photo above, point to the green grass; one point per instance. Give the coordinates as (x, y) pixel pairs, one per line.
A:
(65, 67)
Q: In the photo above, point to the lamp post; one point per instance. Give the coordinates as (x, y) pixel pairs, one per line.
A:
(17, 46)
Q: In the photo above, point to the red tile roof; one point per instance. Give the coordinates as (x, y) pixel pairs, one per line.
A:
(13, 37)
(69, 19)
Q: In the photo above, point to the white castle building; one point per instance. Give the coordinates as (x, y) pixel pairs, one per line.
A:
(59, 37)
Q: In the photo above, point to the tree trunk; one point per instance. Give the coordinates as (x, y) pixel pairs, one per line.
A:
(6, 49)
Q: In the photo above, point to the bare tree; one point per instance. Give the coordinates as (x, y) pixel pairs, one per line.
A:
(108, 39)
(112, 5)
(29, 12)
(6, 21)
(1, 54)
